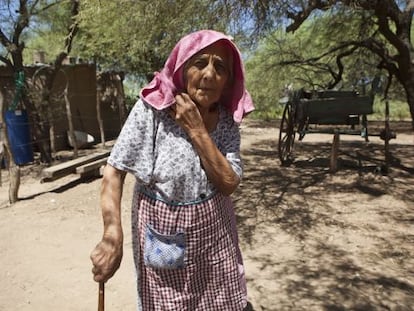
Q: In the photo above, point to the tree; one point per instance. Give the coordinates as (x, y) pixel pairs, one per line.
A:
(302, 59)
(389, 38)
(19, 17)
(137, 36)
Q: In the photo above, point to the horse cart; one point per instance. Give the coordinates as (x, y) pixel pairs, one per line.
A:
(331, 112)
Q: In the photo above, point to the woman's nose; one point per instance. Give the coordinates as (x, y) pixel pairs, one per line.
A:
(209, 71)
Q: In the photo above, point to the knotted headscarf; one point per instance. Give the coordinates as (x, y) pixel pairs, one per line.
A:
(160, 92)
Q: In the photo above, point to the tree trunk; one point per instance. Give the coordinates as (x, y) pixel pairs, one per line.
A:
(14, 170)
(409, 88)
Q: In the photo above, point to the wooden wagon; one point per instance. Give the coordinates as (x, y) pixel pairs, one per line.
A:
(334, 112)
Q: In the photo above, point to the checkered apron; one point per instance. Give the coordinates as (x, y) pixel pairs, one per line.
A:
(213, 276)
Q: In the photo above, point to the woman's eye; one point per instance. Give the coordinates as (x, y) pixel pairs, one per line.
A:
(221, 68)
(200, 63)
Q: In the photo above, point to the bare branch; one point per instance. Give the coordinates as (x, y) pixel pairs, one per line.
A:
(6, 61)
(299, 17)
(4, 40)
(314, 63)
(337, 77)
(386, 31)
(376, 47)
(34, 10)
(384, 10)
(31, 9)
(73, 29)
(22, 21)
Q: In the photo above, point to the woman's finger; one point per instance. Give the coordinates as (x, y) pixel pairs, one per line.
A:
(95, 270)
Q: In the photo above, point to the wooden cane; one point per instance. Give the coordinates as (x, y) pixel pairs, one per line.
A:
(101, 298)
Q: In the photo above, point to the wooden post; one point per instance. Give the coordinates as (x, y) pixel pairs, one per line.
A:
(333, 167)
(99, 91)
(120, 98)
(52, 138)
(14, 170)
(70, 123)
(387, 137)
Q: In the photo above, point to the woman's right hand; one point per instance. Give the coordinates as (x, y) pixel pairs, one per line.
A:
(107, 256)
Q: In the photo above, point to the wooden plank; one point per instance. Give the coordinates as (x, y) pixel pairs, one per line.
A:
(333, 120)
(95, 165)
(69, 167)
(337, 107)
(335, 94)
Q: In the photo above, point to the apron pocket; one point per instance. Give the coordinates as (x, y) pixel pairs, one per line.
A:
(163, 251)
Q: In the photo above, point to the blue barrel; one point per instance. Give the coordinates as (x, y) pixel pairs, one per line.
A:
(18, 131)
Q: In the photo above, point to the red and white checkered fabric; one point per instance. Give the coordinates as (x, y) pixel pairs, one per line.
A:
(213, 278)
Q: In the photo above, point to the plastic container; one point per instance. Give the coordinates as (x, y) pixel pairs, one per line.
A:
(18, 131)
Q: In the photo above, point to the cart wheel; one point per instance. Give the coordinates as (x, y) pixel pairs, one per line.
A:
(286, 135)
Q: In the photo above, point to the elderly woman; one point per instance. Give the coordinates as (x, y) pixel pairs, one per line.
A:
(182, 143)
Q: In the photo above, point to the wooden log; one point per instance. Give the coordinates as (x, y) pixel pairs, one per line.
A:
(340, 107)
(92, 168)
(57, 171)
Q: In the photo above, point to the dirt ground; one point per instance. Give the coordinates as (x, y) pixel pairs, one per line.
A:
(311, 240)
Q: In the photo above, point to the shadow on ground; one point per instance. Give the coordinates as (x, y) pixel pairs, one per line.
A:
(294, 199)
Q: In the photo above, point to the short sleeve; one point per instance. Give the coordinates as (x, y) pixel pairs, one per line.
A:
(133, 151)
(229, 145)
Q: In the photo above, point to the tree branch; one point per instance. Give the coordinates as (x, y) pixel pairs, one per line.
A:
(299, 17)
(6, 61)
(73, 29)
(4, 40)
(33, 10)
(383, 10)
(314, 62)
(385, 30)
(22, 22)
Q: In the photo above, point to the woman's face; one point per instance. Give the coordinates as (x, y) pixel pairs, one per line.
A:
(207, 74)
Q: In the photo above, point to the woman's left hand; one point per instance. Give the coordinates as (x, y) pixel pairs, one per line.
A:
(218, 169)
(187, 115)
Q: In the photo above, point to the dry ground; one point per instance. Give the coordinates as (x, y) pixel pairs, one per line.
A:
(311, 240)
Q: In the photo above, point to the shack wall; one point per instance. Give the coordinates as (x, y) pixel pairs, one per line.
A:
(81, 82)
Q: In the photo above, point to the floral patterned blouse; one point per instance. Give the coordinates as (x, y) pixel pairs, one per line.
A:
(159, 153)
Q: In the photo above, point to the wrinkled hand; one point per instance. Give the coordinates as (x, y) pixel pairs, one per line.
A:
(186, 114)
(106, 258)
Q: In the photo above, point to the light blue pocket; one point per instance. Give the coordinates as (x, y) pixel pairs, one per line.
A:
(164, 251)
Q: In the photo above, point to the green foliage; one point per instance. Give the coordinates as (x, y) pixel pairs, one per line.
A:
(398, 110)
(300, 59)
(137, 36)
(48, 22)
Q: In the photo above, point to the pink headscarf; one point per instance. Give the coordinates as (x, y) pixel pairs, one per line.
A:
(160, 92)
